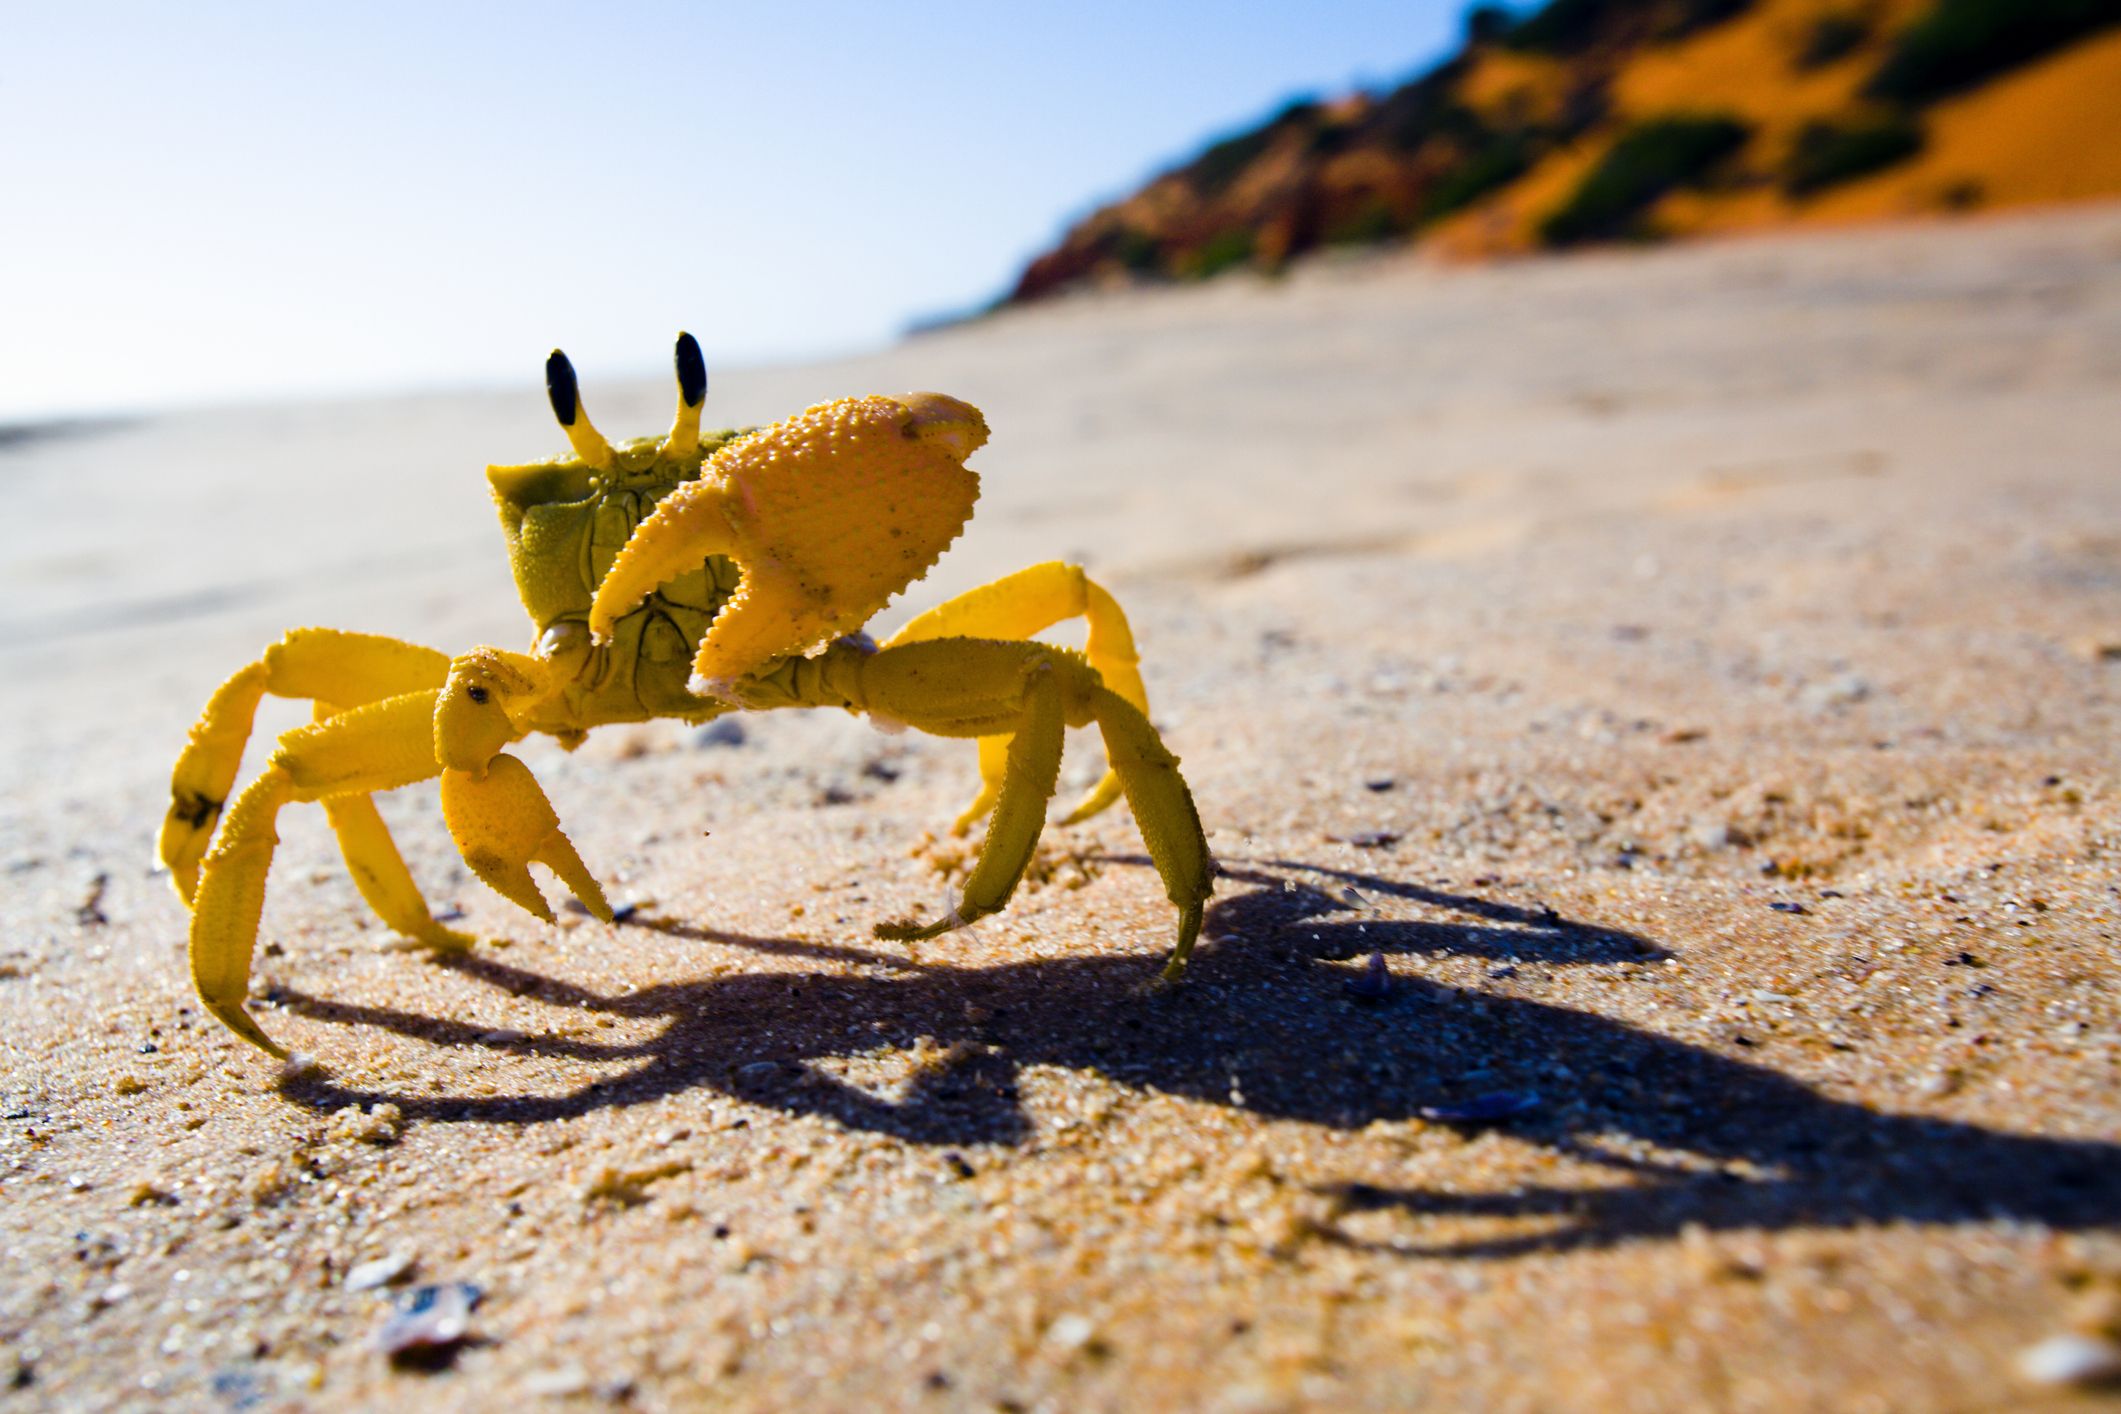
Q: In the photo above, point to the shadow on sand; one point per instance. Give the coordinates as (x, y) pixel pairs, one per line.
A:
(1265, 1023)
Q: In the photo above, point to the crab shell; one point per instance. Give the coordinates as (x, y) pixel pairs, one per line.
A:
(828, 514)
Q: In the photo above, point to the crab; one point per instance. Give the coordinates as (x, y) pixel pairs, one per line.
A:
(683, 576)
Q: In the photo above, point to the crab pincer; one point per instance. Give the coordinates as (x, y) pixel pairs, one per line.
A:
(503, 824)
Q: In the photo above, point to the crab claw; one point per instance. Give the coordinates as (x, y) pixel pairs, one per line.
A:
(828, 515)
(503, 824)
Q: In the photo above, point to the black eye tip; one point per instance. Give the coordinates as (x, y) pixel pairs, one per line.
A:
(692, 371)
(561, 388)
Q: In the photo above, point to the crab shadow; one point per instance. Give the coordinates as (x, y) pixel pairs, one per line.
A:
(1267, 1022)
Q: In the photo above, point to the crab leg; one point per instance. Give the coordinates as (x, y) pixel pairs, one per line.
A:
(206, 772)
(378, 746)
(1018, 606)
(336, 669)
(345, 669)
(983, 688)
(380, 874)
(1163, 809)
(1030, 773)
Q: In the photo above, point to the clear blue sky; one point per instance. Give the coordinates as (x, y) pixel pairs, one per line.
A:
(247, 200)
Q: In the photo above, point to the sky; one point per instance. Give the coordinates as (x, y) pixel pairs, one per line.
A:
(246, 201)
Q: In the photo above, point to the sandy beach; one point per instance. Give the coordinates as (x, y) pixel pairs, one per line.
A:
(1658, 716)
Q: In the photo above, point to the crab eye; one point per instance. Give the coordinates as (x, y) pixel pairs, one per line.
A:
(561, 387)
(684, 438)
(692, 371)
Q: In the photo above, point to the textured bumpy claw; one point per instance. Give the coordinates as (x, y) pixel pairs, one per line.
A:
(503, 824)
(828, 514)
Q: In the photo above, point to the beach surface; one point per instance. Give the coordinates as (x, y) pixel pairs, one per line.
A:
(1658, 716)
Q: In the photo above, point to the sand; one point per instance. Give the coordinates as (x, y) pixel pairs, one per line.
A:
(1656, 714)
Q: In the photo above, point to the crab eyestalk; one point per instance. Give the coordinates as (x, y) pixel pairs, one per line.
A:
(684, 438)
(566, 395)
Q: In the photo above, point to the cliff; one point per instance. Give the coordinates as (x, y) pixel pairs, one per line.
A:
(1602, 120)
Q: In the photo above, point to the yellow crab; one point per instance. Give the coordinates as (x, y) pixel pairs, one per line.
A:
(682, 576)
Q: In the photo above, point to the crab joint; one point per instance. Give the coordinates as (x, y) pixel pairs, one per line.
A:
(472, 717)
(566, 395)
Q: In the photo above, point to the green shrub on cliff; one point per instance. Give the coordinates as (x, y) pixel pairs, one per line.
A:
(1649, 160)
(1829, 153)
(1962, 42)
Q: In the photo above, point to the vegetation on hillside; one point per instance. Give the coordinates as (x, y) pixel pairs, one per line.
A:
(1649, 160)
(1829, 153)
(1593, 120)
(1961, 42)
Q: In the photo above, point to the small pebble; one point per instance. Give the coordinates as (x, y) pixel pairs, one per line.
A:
(1071, 1333)
(429, 1319)
(1373, 982)
(1373, 839)
(2078, 1360)
(148, 1192)
(300, 1067)
(90, 914)
(1379, 783)
(557, 1384)
(1712, 834)
(237, 1388)
(722, 731)
(1482, 1108)
(381, 1272)
(1782, 907)
(1843, 691)
(381, 1126)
